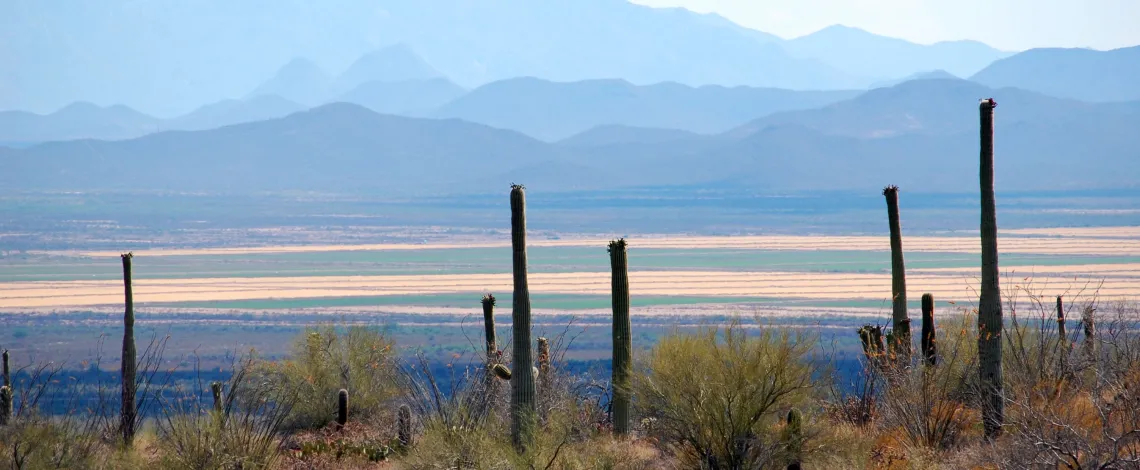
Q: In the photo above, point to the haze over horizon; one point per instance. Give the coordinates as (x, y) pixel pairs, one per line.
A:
(1010, 25)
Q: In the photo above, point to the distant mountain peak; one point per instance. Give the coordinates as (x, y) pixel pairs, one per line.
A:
(392, 63)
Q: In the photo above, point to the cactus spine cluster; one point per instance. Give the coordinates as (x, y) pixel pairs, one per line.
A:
(523, 405)
(341, 409)
(129, 411)
(404, 425)
(989, 305)
(623, 348)
(901, 321)
(929, 348)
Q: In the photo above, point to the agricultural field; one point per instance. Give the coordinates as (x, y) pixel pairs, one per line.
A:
(214, 301)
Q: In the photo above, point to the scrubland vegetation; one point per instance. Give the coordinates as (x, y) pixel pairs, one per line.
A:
(1020, 381)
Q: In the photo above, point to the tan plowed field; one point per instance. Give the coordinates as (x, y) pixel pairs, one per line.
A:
(948, 285)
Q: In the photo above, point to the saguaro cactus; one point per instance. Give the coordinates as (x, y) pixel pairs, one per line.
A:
(6, 398)
(7, 371)
(1062, 335)
(929, 349)
(404, 425)
(489, 327)
(341, 408)
(523, 405)
(6, 395)
(901, 321)
(989, 305)
(794, 438)
(1088, 321)
(216, 391)
(129, 412)
(623, 347)
(490, 341)
(544, 378)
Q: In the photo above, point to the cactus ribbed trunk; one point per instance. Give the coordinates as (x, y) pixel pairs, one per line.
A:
(489, 335)
(929, 347)
(989, 305)
(1089, 322)
(6, 398)
(6, 395)
(622, 339)
(216, 391)
(404, 425)
(544, 379)
(522, 381)
(341, 408)
(794, 438)
(129, 411)
(1062, 334)
(901, 320)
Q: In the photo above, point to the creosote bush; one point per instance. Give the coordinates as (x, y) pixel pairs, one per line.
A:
(329, 358)
(718, 396)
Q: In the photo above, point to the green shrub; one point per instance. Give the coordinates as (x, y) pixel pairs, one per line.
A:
(327, 359)
(715, 396)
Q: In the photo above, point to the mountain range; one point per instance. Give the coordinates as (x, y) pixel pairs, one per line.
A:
(88, 121)
(1082, 74)
(856, 143)
(539, 108)
(167, 59)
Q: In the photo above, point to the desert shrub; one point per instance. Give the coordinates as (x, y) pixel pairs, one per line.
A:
(715, 396)
(327, 358)
(931, 407)
(1088, 416)
(241, 432)
(81, 433)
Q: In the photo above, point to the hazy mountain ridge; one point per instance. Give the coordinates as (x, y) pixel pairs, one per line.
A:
(557, 110)
(1082, 74)
(169, 59)
(861, 53)
(88, 121)
(345, 148)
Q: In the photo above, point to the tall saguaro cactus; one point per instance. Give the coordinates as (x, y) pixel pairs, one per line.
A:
(989, 305)
(929, 348)
(623, 347)
(1062, 335)
(6, 396)
(489, 325)
(901, 321)
(489, 335)
(523, 406)
(129, 412)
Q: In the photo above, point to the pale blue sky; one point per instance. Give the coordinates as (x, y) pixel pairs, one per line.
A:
(1005, 24)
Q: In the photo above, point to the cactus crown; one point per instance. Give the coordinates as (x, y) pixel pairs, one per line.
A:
(891, 189)
(127, 255)
(489, 299)
(515, 187)
(619, 243)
